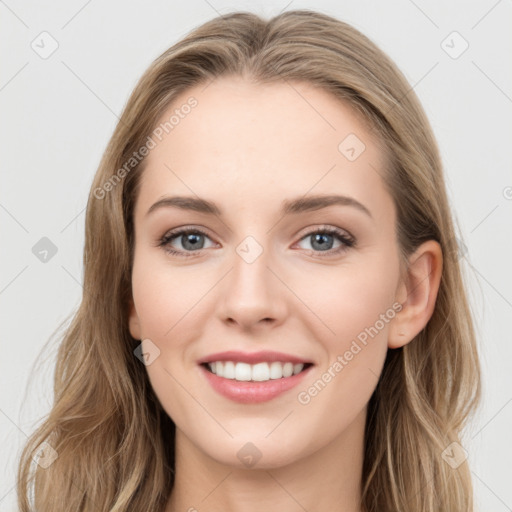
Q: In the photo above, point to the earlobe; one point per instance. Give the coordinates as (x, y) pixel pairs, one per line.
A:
(417, 294)
(133, 322)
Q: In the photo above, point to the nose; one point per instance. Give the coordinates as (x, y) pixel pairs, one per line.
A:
(253, 295)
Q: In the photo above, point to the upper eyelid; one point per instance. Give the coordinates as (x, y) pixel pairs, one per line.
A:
(306, 231)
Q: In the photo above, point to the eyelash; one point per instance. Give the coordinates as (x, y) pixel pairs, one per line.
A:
(347, 241)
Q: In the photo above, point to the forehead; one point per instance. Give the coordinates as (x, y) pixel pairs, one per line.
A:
(249, 143)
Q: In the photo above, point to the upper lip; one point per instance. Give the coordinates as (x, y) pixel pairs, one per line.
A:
(252, 357)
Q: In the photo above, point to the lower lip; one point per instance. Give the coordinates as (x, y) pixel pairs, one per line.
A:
(251, 392)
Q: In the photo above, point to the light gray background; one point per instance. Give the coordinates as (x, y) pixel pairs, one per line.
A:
(58, 114)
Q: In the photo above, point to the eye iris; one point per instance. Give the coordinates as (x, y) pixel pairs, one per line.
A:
(192, 238)
(321, 239)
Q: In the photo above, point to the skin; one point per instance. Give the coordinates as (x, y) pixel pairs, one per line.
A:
(247, 147)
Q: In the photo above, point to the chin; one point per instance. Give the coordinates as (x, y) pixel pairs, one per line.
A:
(258, 453)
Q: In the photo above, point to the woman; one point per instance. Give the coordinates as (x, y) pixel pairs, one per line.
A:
(273, 314)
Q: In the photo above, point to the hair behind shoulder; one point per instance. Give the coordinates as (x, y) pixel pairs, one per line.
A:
(114, 442)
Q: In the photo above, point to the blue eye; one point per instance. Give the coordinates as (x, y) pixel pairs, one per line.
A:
(323, 239)
(192, 241)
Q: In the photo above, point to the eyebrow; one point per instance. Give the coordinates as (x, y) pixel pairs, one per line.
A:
(291, 206)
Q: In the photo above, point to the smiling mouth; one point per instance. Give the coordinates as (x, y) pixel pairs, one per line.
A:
(260, 372)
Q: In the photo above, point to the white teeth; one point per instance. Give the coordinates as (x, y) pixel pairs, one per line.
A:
(259, 372)
(287, 369)
(228, 370)
(242, 371)
(276, 370)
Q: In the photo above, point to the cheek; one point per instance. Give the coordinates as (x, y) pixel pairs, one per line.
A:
(348, 301)
(355, 312)
(164, 297)
(364, 309)
(164, 300)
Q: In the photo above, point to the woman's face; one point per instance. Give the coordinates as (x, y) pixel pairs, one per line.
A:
(253, 276)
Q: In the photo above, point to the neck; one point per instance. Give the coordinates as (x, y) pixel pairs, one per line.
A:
(328, 479)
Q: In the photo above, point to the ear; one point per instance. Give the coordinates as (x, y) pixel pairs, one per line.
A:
(133, 322)
(417, 294)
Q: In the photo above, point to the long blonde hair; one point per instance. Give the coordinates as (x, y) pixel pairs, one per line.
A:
(114, 442)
